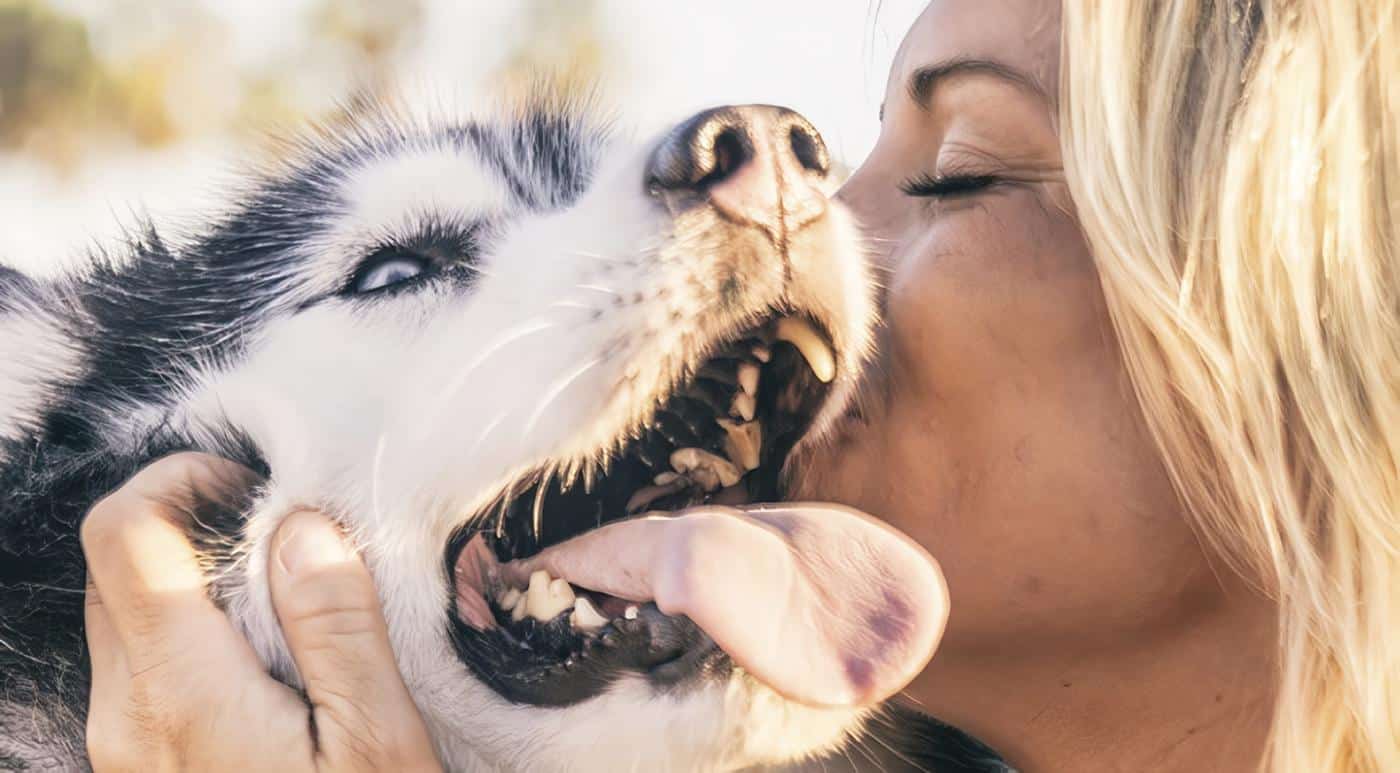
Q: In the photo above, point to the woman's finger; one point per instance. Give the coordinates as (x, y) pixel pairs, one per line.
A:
(104, 646)
(106, 732)
(147, 574)
(330, 614)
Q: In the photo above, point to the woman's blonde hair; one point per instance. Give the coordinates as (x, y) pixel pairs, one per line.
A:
(1236, 166)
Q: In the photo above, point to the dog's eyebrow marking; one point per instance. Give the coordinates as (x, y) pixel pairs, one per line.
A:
(545, 160)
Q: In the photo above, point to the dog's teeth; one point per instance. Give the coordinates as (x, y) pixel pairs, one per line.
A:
(561, 590)
(761, 353)
(585, 617)
(509, 599)
(748, 377)
(809, 342)
(630, 613)
(744, 406)
(665, 478)
(743, 442)
(546, 598)
(709, 470)
(537, 595)
(518, 613)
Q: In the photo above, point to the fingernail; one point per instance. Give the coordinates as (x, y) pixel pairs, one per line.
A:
(308, 541)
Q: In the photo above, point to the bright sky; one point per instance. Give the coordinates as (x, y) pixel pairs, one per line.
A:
(826, 58)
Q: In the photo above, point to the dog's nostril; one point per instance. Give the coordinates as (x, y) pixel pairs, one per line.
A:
(808, 148)
(729, 151)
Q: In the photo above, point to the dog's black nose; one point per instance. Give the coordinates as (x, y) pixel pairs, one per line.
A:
(755, 163)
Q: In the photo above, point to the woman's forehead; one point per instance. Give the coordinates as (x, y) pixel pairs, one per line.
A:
(1022, 35)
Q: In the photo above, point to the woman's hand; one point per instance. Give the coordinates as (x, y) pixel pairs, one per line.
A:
(175, 687)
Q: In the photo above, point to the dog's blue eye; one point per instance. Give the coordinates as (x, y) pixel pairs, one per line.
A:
(383, 270)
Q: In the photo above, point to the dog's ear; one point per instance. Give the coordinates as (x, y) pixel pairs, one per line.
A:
(13, 284)
(39, 350)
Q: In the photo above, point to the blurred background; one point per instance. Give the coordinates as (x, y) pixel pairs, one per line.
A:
(111, 109)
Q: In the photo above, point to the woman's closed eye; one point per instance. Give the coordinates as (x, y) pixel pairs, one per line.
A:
(948, 186)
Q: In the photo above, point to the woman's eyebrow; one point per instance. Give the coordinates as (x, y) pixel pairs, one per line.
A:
(925, 79)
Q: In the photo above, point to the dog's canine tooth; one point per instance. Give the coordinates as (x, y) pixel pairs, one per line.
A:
(540, 601)
(664, 478)
(537, 594)
(585, 617)
(744, 406)
(743, 442)
(630, 613)
(748, 378)
(547, 598)
(705, 468)
(809, 342)
(762, 353)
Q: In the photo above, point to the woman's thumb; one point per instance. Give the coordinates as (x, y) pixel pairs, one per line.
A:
(330, 615)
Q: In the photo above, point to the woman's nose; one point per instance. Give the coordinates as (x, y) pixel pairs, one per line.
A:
(756, 164)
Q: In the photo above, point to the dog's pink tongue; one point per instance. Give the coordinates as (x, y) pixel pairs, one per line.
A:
(824, 604)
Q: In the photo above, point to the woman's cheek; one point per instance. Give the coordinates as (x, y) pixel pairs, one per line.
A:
(949, 306)
(994, 287)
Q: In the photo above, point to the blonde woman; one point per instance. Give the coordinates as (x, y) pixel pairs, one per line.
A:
(1139, 389)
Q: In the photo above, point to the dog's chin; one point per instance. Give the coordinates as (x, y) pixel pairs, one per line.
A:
(721, 436)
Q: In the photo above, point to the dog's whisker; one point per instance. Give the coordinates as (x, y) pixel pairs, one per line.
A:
(573, 305)
(512, 336)
(597, 257)
(555, 390)
(376, 475)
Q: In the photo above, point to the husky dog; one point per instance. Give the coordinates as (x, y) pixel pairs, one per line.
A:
(462, 340)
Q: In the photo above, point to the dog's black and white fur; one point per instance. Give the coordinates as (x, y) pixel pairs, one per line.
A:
(397, 324)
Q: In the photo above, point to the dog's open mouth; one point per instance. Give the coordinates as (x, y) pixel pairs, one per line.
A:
(721, 437)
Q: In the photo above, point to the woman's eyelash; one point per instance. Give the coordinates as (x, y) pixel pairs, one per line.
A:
(947, 186)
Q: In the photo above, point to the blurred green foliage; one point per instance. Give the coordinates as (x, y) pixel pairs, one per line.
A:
(63, 98)
(54, 90)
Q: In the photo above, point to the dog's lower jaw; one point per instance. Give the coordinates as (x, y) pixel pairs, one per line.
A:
(730, 723)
